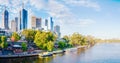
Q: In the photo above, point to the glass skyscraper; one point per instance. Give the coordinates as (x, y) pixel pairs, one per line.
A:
(51, 24)
(5, 23)
(38, 23)
(16, 20)
(23, 19)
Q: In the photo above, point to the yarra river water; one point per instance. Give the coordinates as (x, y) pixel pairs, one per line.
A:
(99, 53)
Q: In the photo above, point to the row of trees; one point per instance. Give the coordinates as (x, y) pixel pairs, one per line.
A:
(28, 34)
(45, 40)
(77, 39)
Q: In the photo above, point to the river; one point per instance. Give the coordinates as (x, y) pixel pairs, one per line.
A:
(99, 53)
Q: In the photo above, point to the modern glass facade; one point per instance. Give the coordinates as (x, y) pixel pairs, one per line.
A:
(5, 20)
(16, 20)
(51, 23)
(38, 23)
(23, 19)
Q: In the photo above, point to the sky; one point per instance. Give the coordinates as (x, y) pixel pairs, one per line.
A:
(99, 18)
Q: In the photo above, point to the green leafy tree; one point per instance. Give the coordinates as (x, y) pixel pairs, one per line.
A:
(39, 39)
(42, 38)
(61, 45)
(24, 46)
(50, 46)
(15, 37)
(29, 34)
(66, 38)
(0, 40)
(84, 41)
(75, 39)
(45, 46)
(50, 36)
(4, 42)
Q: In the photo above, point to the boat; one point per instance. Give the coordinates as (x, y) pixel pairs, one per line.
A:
(45, 54)
(58, 51)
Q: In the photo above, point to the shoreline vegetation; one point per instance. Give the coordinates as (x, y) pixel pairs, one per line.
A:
(43, 43)
(107, 40)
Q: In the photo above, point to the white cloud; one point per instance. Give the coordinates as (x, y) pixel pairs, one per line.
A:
(38, 4)
(85, 3)
(59, 11)
(4, 2)
(86, 22)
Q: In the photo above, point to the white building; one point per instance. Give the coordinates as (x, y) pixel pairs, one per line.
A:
(13, 26)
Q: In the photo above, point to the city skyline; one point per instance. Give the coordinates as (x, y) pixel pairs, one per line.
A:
(101, 21)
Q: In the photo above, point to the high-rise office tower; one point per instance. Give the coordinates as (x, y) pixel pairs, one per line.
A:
(36, 23)
(5, 20)
(33, 22)
(13, 26)
(23, 17)
(51, 24)
(46, 23)
(16, 20)
(57, 30)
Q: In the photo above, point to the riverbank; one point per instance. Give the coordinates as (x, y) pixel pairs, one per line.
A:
(41, 54)
(99, 53)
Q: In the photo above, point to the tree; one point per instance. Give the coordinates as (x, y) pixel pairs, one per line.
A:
(29, 34)
(0, 40)
(66, 38)
(50, 36)
(42, 38)
(4, 42)
(50, 46)
(61, 45)
(15, 37)
(39, 39)
(84, 41)
(75, 39)
(24, 46)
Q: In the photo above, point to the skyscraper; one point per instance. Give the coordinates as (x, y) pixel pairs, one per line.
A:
(36, 23)
(46, 23)
(57, 30)
(13, 26)
(33, 22)
(51, 24)
(5, 19)
(23, 19)
(16, 20)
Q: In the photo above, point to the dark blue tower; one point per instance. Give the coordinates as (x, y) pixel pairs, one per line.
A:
(6, 18)
(23, 19)
(51, 23)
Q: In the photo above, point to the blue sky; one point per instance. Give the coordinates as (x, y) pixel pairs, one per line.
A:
(100, 18)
